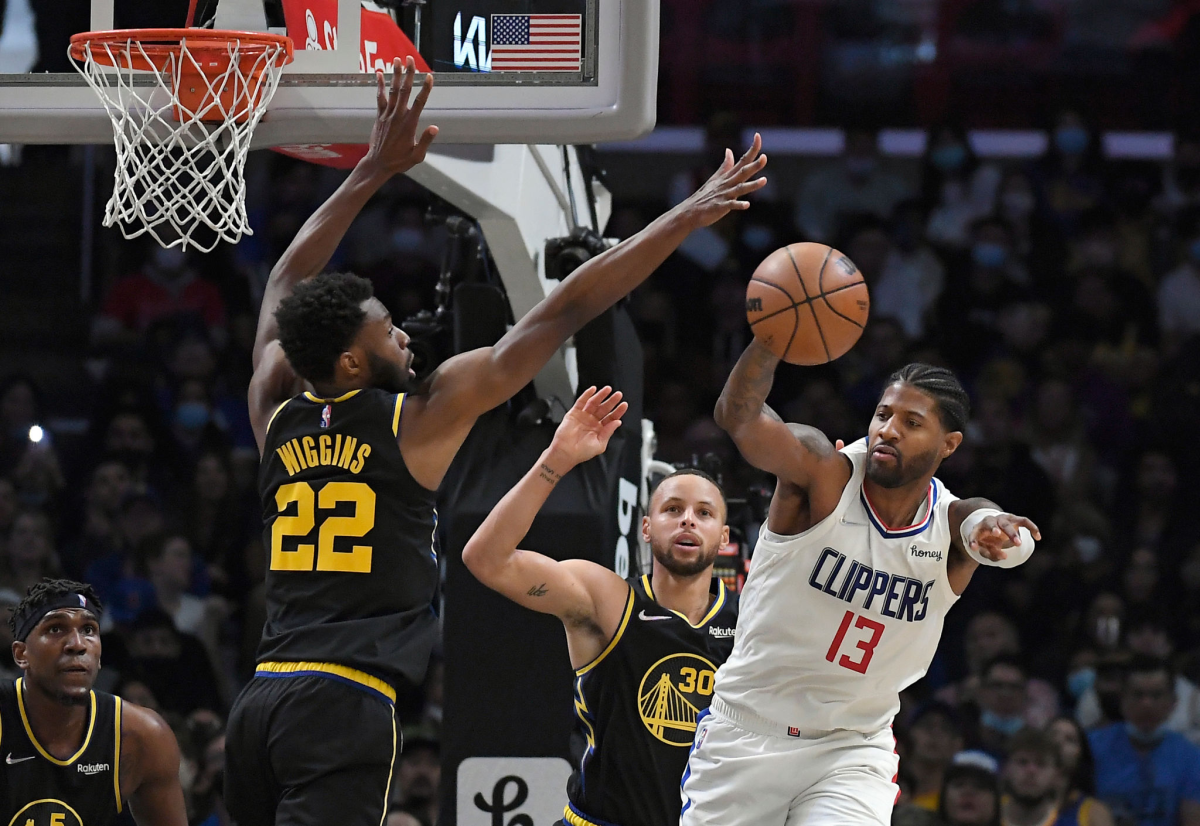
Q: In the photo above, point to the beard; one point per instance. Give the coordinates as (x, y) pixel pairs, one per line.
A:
(1029, 801)
(387, 375)
(906, 470)
(682, 567)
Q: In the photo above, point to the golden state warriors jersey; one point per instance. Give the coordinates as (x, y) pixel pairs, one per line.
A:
(352, 572)
(637, 704)
(38, 789)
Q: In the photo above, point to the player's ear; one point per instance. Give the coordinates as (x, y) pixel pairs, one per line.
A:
(646, 529)
(350, 363)
(20, 655)
(953, 440)
(724, 541)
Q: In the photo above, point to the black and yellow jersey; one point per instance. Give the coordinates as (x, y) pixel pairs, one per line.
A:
(37, 789)
(637, 704)
(351, 571)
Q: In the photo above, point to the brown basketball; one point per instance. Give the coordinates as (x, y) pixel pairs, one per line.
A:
(807, 303)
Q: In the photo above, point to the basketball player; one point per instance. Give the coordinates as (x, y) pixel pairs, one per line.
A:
(644, 650)
(74, 756)
(862, 555)
(351, 462)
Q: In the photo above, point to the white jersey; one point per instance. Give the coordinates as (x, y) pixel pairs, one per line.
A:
(836, 621)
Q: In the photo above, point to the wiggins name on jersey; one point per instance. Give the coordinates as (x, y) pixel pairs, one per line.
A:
(37, 789)
(637, 705)
(352, 573)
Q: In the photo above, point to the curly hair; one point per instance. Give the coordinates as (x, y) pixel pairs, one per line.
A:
(48, 589)
(953, 403)
(319, 320)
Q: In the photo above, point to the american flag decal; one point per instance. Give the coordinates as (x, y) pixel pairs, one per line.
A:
(536, 42)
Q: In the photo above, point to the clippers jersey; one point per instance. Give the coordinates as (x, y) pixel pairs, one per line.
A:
(637, 705)
(837, 620)
(37, 789)
(352, 573)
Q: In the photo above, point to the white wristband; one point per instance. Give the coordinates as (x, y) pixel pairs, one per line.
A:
(1015, 555)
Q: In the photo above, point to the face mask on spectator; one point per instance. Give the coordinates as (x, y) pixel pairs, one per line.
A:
(1146, 738)
(1071, 140)
(860, 167)
(1080, 680)
(1005, 725)
(192, 415)
(949, 158)
(1017, 204)
(988, 254)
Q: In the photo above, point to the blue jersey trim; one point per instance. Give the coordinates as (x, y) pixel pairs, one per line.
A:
(911, 530)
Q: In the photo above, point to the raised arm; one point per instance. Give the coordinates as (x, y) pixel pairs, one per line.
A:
(795, 453)
(394, 149)
(470, 384)
(587, 597)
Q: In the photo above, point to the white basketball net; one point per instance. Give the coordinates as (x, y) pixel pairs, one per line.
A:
(175, 176)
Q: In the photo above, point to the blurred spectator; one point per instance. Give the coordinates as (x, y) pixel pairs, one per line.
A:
(1152, 514)
(1033, 777)
(141, 517)
(911, 278)
(160, 654)
(1181, 177)
(1179, 290)
(1149, 638)
(1059, 441)
(18, 412)
(165, 289)
(29, 554)
(1003, 702)
(8, 668)
(1148, 775)
(108, 485)
(854, 185)
(934, 736)
(1069, 179)
(130, 439)
(8, 508)
(418, 775)
(956, 188)
(971, 793)
(897, 291)
(207, 789)
(1100, 703)
(1187, 618)
(1078, 766)
(195, 424)
(218, 522)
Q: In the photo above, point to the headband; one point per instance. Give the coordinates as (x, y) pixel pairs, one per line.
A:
(28, 619)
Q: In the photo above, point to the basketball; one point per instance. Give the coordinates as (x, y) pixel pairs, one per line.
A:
(807, 303)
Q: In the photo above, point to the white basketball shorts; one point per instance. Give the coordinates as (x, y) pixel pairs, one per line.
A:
(736, 777)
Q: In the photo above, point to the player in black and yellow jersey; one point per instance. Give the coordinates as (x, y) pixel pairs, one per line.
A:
(646, 651)
(350, 462)
(73, 756)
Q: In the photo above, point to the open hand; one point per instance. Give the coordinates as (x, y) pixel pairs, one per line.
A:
(585, 430)
(394, 145)
(728, 185)
(995, 534)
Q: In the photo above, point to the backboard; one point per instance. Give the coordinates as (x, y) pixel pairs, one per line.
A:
(507, 71)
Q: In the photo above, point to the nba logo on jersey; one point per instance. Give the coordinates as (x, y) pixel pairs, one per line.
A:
(325, 414)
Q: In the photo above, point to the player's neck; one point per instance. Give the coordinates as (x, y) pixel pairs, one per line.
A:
(1016, 814)
(690, 596)
(897, 507)
(58, 727)
(333, 391)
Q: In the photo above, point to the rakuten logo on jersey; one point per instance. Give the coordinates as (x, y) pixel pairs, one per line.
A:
(92, 768)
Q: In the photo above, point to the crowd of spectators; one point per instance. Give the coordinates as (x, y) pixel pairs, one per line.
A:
(1065, 292)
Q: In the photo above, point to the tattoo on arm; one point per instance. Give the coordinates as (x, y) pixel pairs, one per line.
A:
(549, 474)
(744, 396)
(537, 590)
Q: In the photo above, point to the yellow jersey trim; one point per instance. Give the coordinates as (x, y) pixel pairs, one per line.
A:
(707, 618)
(396, 415)
(117, 754)
(29, 729)
(579, 672)
(1085, 811)
(273, 415)
(387, 790)
(573, 818)
(62, 803)
(353, 675)
(314, 398)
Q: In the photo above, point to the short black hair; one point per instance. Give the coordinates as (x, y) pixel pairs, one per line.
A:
(48, 589)
(1147, 664)
(319, 320)
(1035, 741)
(1005, 659)
(693, 471)
(953, 403)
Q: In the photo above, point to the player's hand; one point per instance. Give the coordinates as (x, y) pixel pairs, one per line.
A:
(995, 534)
(725, 189)
(394, 146)
(589, 424)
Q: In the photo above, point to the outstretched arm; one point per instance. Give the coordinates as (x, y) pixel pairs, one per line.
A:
(394, 148)
(151, 781)
(795, 453)
(991, 539)
(585, 596)
(468, 385)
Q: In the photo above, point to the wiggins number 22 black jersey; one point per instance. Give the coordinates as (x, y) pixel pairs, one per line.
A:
(352, 573)
(637, 705)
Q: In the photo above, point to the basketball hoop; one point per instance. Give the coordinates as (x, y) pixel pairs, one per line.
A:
(183, 104)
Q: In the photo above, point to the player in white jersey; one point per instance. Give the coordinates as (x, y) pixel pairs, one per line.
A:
(841, 610)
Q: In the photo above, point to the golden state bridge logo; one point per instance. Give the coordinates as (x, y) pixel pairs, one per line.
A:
(672, 693)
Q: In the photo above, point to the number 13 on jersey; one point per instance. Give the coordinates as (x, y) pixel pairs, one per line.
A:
(866, 645)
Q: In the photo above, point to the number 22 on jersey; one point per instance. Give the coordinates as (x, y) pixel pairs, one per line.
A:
(356, 561)
(866, 645)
